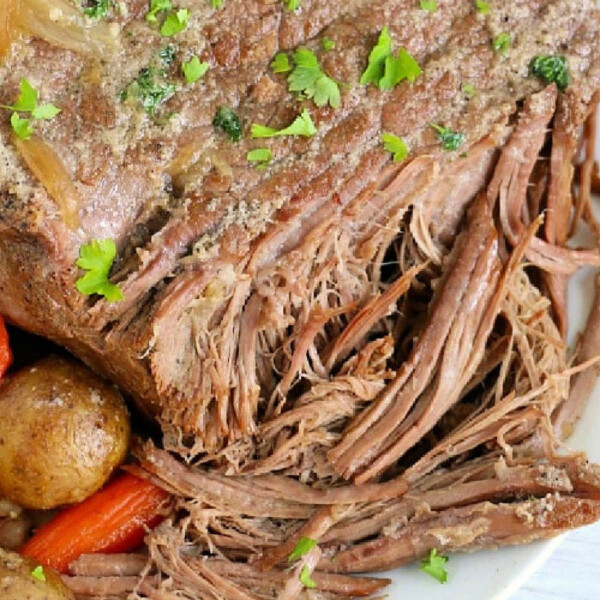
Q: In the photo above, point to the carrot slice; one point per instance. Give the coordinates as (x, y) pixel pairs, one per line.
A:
(5, 353)
(115, 519)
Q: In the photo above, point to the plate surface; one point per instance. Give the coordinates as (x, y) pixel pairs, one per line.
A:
(497, 574)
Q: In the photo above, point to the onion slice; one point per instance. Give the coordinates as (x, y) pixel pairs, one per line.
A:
(45, 164)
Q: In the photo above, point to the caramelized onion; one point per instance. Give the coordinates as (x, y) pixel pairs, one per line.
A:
(62, 24)
(8, 14)
(45, 164)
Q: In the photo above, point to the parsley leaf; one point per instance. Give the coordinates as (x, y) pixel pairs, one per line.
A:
(22, 127)
(327, 44)
(96, 9)
(434, 565)
(385, 69)
(395, 145)
(303, 547)
(374, 71)
(149, 90)
(194, 69)
(302, 125)
(306, 579)
(428, 5)
(551, 69)
(292, 4)
(97, 259)
(229, 122)
(261, 156)
(27, 102)
(483, 8)
(450, 140)
(281, 63)
(158, 6)
(469, 90)
(38, 573)
(501, 43)
(308, 79)
(216, 3)
(175, 22)
(397, 68)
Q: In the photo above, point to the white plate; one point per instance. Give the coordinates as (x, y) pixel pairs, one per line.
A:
(498, 574)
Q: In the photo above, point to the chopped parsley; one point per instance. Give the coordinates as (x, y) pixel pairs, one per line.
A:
(501, 43)
(428, 5)
(216, 3)
(292, 4)
(229, 122)
(395, 145)
(175, 22)
(434, 565)
(194, 69)
(450, 140)
(38, 573)
(97, 259)
(302, 125)
(386, 70)
(306, 579)
(156, 7)
(311, 81)
(281, 63)
(96, 9)
(327, 44)
(261, 156)
(150, 89)
(303, 547)
(469, 90)
(483, 8)
(27, 102)
(551, 69)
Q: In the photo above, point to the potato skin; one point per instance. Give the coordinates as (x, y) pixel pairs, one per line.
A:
(17, 582)
(62, 431)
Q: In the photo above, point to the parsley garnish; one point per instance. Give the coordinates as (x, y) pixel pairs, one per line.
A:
(308, 79)
(27, 102)
(327, 44)
(292, 4)
(306, 579)
(483, 8)
(450, 140)
(216, 3)
(97, 258)
(149, 90)
(194, 69)
(96, 9)
(434, 565)
(281, 63)
(428, 5)
(38, 573)
(229, 122)
(551, 69)
(501, 43)
(303, 547)
(261, 156)
(167, 55)
(302, 126)
(395, 145)
(158, 6)
(175, 22)
(385, 69)
(469, 90)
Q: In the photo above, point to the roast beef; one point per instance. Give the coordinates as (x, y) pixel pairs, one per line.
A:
(220, 263)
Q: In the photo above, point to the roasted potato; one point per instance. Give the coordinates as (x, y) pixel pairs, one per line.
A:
(62, 431)
(23, 579)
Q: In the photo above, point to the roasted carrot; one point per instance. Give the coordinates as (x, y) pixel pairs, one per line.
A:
(5, 353)
(115, 519)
